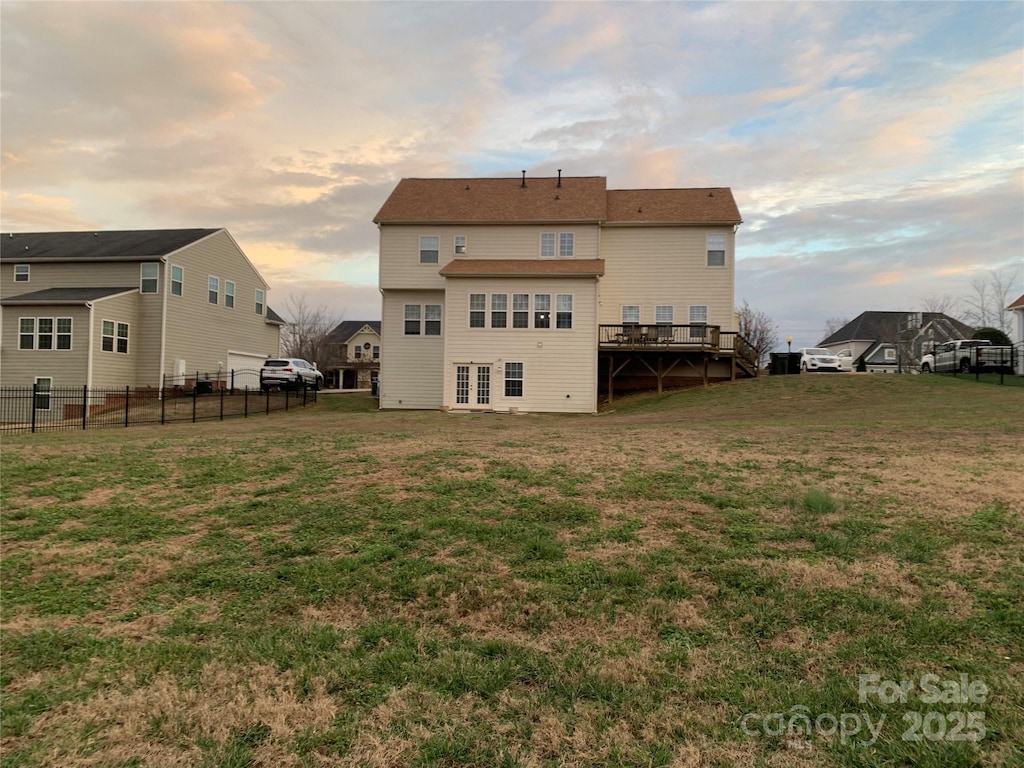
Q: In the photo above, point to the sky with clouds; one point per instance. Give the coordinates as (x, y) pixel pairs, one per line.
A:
(876, 150)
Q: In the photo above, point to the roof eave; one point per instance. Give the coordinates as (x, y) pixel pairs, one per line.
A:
(483, 222)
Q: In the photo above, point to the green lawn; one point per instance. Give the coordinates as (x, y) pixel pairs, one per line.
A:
(645, 587)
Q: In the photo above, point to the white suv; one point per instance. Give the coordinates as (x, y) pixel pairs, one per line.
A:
(287, 372)
(817, 359)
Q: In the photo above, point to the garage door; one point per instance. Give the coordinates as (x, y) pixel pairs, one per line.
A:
(246, 367)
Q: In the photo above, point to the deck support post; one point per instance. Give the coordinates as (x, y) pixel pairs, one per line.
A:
(611, 376)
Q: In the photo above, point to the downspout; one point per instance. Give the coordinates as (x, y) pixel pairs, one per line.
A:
(92, 332)
(163, 322)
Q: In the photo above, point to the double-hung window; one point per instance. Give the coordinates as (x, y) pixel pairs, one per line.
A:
(429, 246)
(547, 245)
(213, 293)
(44, 384)
(542, 310)
(663, 316)
(520, 310)
(566, 245)
(698, 319)
(260, 301)
(63, 333)
(412, 319)
(177, 281)
(114, 337)
(716, 250)
(477, 310)
(21, 273)
(630, 314)
(44, 337)
(376, 353)
(229, 294)
(499, 310)
(563, 310)
(513, 379)
(122, 338)
(26, 333)
(460, 244)
(149, 280)
(432, 320)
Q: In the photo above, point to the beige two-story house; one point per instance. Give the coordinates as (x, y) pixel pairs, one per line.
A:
(129, 308)
(355, 350)
(536, 294)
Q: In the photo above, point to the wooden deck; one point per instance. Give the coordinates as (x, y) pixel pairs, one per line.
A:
(662, 351)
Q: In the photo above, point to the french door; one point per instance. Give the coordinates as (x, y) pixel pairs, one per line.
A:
(472, 385)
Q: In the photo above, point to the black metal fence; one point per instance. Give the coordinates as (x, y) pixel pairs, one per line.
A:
(193, 398)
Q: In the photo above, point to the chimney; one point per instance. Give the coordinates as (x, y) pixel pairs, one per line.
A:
(524, 180)
(559, 177)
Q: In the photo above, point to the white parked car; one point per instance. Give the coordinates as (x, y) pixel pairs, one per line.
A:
(817, 359)
(845, 358)
(289, 372)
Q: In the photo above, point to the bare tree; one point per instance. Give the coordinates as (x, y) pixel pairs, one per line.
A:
(760, 331)
(986, 305)
(944, 303)
(833, 324)
(308, 330)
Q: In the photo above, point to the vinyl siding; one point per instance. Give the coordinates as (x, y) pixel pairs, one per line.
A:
(652, 266)
(201, 333)
(116, 369)
(359, 339)
(411, 367)
(400, 248)
(67, 368)
(72, 275)
(559, 365)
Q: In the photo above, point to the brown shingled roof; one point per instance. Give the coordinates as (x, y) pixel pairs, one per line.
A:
(677, 206)
(1017, 304)
(580, 198)
(523, 268)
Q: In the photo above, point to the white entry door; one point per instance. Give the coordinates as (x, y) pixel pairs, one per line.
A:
(472, 385)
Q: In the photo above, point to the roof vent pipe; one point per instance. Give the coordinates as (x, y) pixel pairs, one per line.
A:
(524, 180)
(559, 177)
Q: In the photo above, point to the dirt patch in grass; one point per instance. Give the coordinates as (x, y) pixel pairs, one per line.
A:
(160, 720)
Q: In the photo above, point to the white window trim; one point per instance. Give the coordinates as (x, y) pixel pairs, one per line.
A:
(35, 324)
(49, 393)
(555, 311)
(142, 269)
(535, 310)
(230, 293)
(127, 337)
(554, 245)
(672, 311)
(572, 236)
(260, 306)
(708, 249)
(639, 313)
(209, 289)
(464, 245)
(439, 320)
(437, 250)
(179, 282)
(698, 322)
(470, 311)
(418, 319)
(505, 379)
(70, 334)
(492, 310)
(27, 273)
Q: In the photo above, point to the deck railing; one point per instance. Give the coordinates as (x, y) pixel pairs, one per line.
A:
(640, 336)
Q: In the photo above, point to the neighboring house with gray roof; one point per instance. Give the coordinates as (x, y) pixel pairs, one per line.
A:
(355, 351)
(126, 308)
(533, 294)
(882, 342)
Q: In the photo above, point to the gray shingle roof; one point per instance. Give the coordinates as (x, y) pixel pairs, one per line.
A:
(346, 329)
(273, 317)
(25, 247)
(884, 326)
(65, 295)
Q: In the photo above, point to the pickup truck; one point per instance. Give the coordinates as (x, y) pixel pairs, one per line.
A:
(968, 356)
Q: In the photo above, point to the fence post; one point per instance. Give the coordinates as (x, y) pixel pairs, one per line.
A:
(222, 403)
(163, 399)
(127, 402)
(232, 381)
(85, 404)
(195, 389)
(268, 400)
(286, 398)
(245, 400)
(35, 393)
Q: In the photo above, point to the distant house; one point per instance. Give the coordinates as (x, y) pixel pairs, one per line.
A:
(882, 342)
(126, 308)
(1017, 332)
(355, 344)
